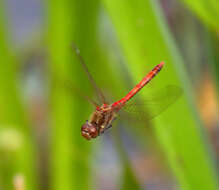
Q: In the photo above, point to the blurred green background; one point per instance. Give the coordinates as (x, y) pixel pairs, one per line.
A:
(40, 142)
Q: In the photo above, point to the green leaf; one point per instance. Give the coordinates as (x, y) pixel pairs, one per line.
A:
(145, 40)
(129, 180)
(207, 11)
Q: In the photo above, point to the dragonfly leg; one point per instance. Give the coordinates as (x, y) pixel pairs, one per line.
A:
(108, 122)
(108, 127)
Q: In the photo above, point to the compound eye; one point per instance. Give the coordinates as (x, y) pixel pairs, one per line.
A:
(89, 131)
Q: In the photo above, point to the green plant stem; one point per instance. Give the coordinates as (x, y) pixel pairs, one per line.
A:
(70, 22)
(17, 146)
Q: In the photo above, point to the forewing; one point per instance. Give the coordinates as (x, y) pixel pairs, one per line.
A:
(67, 84)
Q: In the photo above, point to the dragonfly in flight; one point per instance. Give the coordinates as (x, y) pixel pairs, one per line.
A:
(102, 117)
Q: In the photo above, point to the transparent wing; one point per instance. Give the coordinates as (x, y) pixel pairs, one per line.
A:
(155, 104)
(67, 84)
(90, 77)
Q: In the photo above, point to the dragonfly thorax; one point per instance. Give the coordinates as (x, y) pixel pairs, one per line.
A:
(100, 120)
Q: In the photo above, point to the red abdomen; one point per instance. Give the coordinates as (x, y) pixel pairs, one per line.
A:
(140, 85)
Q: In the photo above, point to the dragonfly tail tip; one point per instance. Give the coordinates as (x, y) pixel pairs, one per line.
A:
(162, 63)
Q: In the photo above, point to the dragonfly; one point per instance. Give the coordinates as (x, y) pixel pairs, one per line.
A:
(103, 116)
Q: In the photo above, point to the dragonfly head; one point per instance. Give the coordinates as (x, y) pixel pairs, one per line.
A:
(89, 131)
